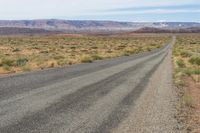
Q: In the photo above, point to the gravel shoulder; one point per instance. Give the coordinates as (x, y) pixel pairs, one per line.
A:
(155, 109)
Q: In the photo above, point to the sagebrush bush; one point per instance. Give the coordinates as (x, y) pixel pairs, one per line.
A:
(187, 99)
(16, 50)
(185, 54)
(26, 69)
(96, 57)
(21, 62)
(7, 68)
(8, 62)
(180, 63)
(195, 60)
(191, 71)
(86, 59)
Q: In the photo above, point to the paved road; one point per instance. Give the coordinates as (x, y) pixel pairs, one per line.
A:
(94, 97)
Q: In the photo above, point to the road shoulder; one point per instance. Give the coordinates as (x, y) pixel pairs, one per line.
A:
(155, 109)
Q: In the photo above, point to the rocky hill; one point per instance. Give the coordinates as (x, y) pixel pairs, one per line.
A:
(74, 26)
(162, 30)
(24, 31)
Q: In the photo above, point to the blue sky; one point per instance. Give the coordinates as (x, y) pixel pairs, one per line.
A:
(119, 10)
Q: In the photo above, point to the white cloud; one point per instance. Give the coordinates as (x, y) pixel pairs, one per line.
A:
(155, 11)
(19, 9)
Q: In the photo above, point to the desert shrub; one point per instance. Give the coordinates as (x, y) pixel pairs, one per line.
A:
(185, 54)
(188, 71)
(72, 47)
(138, 50)
(44, 52)
(86, 59)
(7, 68)
(62, 62)
(196, 71)
(177, 76)
(8, 62)
(193, 42)
(94, 47)
(191, 71)
(187, 99)
(62, 47)
(21, 61)
(16, 50)
(109, 51)
(96, 57)
(148, 49)
(176, 52)
(125, 53)
(158, 46)
(52, 64)
(26, 69)
(59, 57)
(195, 60)
(180, 63)
(129, 51)
(122, 46)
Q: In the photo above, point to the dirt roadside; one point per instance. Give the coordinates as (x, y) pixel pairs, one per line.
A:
(188, 106)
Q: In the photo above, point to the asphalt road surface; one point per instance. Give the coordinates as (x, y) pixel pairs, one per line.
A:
(113, 95)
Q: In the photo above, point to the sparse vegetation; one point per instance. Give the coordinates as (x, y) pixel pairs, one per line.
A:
(180, 63)
(7, 62)
(195, 60)
(21, 62)
(187, 100)
(186, 58)
(26, 53)
(86, 59)
(96, 57)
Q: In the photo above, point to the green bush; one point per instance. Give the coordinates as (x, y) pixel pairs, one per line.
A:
(86, 59)
(7, 68)
(96, 57)
(190, 71)
(21, 61)
(180, 63)
(16, 50)
(187, 100)
(148, 49)
(8, 62)
(128, 52)
(185, 54)
(125, 53)
(195, 60)
(196, 71)
(26, 69)
(62, 62)
(59, 57)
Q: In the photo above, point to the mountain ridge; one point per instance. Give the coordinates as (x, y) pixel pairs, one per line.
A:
(93, 26)
(59, 24)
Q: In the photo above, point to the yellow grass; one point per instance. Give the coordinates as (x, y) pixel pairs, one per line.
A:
(186, 57)
(187, 47)
(26, 53)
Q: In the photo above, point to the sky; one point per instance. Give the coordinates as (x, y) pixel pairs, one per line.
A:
(117, 10)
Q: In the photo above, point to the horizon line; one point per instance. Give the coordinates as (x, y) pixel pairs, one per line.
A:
(100, 20)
